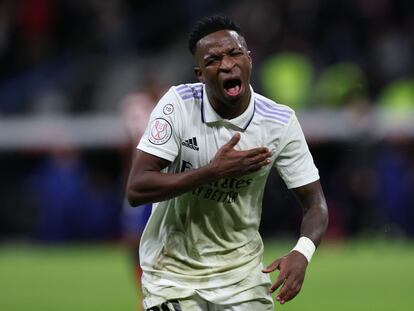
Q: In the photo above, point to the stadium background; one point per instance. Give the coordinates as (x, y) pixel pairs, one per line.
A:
(69, 71)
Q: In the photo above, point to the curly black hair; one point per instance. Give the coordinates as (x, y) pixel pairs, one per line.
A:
(208, 25)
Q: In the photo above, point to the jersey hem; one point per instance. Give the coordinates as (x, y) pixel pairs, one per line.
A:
(201, 282)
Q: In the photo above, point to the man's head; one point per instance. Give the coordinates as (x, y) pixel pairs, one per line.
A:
(208, 25)
(223, 60)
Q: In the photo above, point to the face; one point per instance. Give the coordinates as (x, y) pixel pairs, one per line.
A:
(224, 65)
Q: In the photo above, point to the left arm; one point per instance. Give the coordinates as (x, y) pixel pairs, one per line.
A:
(315, 218)
(293, 266)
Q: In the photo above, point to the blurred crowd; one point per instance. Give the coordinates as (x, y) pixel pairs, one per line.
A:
(83, 57)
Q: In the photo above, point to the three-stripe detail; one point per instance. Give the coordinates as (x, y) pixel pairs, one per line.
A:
(190, 91)
(267, 110)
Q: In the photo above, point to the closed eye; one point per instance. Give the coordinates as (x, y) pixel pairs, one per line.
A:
(211, 60)
(236, 53)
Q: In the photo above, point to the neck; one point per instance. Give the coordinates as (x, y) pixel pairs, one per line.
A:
(230, 110)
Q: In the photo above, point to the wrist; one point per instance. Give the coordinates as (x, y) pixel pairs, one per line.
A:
(306, 247)
(207, 174)
(212, 172)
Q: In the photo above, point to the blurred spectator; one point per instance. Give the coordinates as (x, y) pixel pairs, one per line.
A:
(395, 193)
(56, 186)
(72, 203)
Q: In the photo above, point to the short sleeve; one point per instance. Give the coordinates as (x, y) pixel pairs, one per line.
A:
(294, 161)
(162, 135)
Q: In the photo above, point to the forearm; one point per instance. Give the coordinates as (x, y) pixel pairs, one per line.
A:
(147, 183)
(315, 216)
(315, 222)
(154, 186)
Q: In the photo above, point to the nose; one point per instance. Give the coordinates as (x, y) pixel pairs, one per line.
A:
(227, 63)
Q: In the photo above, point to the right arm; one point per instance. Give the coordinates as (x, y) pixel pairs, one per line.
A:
(146, 182)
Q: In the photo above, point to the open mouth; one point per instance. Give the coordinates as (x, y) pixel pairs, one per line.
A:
(232, 87)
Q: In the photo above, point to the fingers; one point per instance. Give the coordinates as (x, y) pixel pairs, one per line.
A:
(273, 266)
(257, 158)
(281, 277)
(279, 281)
(289, 290)
(233, 163)
(233, 141)
(248, 153)
(256, 166)
(251, 153)
(260, 157)
(258, 151)
(292, 274)
(255, 163)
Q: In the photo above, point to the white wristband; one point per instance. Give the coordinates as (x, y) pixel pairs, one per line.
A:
(306, 247)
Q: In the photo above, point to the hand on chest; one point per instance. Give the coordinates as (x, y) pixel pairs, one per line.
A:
(199, 146)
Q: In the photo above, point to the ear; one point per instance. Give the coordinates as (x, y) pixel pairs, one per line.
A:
(198, 74)
(249, 55)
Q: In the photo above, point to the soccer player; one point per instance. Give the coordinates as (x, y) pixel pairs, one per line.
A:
(205, 158)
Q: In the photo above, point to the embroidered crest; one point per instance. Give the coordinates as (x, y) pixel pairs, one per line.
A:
(160, 131)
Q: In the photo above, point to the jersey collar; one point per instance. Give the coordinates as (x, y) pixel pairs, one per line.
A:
(209, 115)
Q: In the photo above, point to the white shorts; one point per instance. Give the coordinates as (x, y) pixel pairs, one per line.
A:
(250, 292)
(196, 303)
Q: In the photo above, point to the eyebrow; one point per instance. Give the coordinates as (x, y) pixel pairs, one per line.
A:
(212, 55)
(216, 55)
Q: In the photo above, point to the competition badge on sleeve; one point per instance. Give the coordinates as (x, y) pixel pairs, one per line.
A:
(161, 131)
(168, 109)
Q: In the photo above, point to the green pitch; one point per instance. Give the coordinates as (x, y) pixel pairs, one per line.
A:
(373, 275)
(366, 276)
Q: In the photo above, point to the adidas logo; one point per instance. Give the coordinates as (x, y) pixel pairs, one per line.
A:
(191, 143)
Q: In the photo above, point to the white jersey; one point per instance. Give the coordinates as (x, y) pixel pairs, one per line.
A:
(208, 237)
